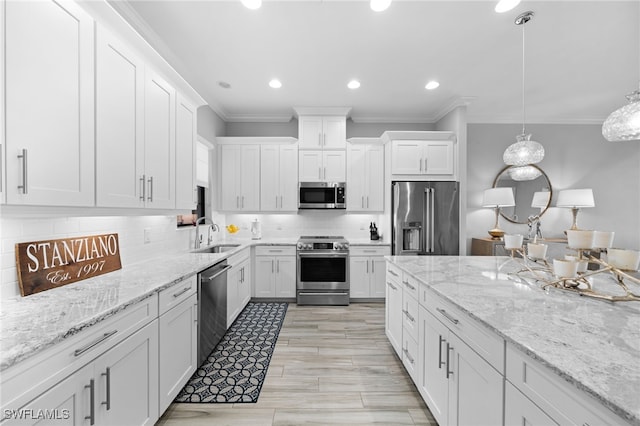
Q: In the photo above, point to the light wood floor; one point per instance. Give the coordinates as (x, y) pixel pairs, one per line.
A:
(331, 365)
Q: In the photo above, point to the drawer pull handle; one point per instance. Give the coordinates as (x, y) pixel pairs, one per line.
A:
(411, 318)
(449, 349)
(181, 292)
(408, 285)
(440, 342)
(392, 286)
(406, 352)
(96, 342)
(392, 273)
(447, 316)
(107, 375)
(92, 399)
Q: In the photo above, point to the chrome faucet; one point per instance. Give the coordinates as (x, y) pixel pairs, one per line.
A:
(212, 227)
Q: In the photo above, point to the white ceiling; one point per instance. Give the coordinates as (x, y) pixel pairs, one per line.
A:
(582, 57)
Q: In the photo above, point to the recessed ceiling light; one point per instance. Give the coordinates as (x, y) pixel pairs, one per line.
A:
(353, 84)
(379, 5)
(224, 85)
(432, 85)
(275, 83)
(252, 4)
(506, 5)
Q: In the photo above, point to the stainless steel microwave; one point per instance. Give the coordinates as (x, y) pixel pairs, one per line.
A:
(322, 195)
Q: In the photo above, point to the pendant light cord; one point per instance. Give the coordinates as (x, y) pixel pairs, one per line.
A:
(523, 103)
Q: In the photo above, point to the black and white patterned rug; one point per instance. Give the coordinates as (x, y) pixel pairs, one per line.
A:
(236, 369)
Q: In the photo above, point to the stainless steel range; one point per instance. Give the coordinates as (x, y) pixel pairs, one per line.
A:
(323, 271)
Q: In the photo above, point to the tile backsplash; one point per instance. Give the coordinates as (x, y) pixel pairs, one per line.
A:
(163, 238)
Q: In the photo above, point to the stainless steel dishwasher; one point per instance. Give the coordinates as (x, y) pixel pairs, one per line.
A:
(212, 308)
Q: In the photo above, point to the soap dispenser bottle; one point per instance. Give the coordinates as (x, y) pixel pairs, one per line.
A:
(256, 230)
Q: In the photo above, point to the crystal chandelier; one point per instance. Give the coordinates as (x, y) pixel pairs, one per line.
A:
(524, 151)
(623, 124)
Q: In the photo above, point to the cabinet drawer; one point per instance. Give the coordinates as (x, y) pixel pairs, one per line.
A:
(410, 315)
(410, 356)
(239, 257)
(394, 274)
(482, 340)
(557, 398)
(369, 251)
(411, 285)
(172, 296)
(275, 250)
(24, 381)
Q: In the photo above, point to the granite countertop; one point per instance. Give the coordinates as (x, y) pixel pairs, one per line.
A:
(592, 344)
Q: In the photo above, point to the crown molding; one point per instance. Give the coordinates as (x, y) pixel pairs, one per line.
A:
(451, 105)
(341, 111)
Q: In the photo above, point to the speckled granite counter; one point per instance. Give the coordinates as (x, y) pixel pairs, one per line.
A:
(594, 345)
(33, 323)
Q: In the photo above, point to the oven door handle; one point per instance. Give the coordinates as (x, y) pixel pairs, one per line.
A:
(316, 254)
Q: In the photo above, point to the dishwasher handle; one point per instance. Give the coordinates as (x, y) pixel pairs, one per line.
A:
(207, 278)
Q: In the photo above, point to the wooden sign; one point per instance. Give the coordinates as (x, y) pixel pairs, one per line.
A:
(43, 265)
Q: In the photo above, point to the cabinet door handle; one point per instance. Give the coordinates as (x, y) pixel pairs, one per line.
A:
(24, 187)
(425, 165)
(324, 139)
(320, 173)
(143, 188)
(421, 165)
(242, 199)
(272, 266)
(408, 285)
(150, 188)
(392, 273)
(447, 315)
(278, 266)
(281, 201)
(107, 375)
(392, 286)
(372, 268)
(92, 399)
(181, 292)
(449, 349)
(367, 201)
(408, 315)
(406, 352)
(325, 173)
(440, 342)
(367, 266)
(99, 340)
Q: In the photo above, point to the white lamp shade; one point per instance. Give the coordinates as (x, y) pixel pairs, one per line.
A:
(498, 197)
(575, 198)
(540, 199)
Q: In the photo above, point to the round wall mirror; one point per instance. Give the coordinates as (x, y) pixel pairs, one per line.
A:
(533, 197)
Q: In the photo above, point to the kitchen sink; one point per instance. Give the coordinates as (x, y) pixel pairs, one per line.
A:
(218, 248)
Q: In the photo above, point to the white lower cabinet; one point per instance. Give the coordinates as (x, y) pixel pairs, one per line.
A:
(238, 284)
(178, 350)
(275, 272)
(519, 410)
(119, 387)
(393, 308)
(367, 272)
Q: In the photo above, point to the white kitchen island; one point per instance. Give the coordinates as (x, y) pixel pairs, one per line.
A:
(529, 355)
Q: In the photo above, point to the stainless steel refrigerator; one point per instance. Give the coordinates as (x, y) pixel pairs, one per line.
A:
(425, 218)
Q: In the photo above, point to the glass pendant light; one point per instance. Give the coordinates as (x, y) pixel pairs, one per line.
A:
(623, 124)
(521, 173)
(524, 151)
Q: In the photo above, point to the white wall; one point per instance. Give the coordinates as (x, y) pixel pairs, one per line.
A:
(576, 156)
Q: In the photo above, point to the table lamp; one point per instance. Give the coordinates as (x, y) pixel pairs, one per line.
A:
(497, 198)
(575, 199)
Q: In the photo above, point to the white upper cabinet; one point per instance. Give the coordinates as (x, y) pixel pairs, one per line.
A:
(49, 95)
(186, 133)
(119, 124)
(422, 158)
(322, 132)
(322, 166)
(279, 178)
(240, 177)
(160, 142)
(135, 130)
(365, 177)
